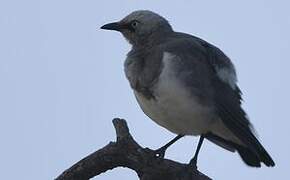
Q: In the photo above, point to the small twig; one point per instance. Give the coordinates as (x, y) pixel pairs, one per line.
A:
(126, 152)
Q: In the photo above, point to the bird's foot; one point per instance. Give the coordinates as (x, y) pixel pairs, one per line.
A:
(192, 163)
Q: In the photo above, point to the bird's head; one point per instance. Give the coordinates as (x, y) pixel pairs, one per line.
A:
(141, 27)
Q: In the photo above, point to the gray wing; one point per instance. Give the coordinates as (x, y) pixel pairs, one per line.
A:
(211, 69)
(227, 101)
(224, 94)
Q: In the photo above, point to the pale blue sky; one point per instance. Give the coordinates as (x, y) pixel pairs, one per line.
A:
(62, 82)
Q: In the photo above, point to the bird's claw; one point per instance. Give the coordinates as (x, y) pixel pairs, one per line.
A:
(192, 163)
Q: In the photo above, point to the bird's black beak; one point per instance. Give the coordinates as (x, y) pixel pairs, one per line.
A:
(112, 26)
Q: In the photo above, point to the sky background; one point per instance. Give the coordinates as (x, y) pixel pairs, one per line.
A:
(62, 82)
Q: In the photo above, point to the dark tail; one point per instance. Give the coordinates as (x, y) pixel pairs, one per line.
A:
(255, 152)
(248, 156)
(252, 155)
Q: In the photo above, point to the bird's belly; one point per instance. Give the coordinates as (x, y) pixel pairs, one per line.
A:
(176, 111)
(174, 105)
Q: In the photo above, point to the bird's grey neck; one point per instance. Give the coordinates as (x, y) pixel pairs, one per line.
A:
(151, 40)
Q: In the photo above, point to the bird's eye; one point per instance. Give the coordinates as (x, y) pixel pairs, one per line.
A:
(134, 24)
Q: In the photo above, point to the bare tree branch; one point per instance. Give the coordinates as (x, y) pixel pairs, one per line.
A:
(126, 152)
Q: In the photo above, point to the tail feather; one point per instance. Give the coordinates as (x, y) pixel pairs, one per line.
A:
(248, 156)
(252, 154)
(237, 122)
(256, 147)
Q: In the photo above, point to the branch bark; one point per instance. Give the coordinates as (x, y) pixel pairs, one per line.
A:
(126, 152)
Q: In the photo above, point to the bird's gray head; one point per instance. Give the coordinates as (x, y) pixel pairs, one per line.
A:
(141, 28)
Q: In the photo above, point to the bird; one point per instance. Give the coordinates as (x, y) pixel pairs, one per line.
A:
(188, 86)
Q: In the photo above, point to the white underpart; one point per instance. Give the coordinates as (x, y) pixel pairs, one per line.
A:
(177, 110)
(227, 75)
(174, 107)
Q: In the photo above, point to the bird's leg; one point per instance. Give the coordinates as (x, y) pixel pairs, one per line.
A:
(161, 151)
(193, 161)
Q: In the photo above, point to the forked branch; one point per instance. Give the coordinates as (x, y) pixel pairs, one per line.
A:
(126, 152)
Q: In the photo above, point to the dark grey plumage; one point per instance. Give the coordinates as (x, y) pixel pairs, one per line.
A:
(187, 85)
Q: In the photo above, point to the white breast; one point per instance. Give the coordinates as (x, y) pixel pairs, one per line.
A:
(174, 107)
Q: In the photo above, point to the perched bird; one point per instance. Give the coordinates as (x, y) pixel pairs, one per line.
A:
(187, 86)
